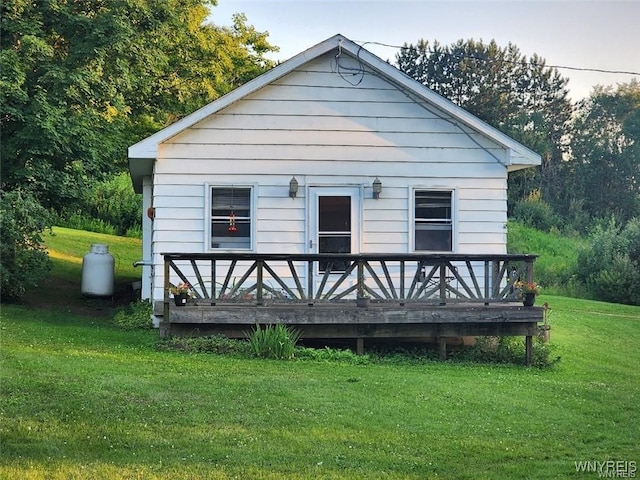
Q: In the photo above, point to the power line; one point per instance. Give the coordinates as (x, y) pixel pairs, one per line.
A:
(565, 67)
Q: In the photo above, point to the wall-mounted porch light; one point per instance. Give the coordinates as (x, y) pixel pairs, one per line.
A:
(293, 187)
(377, 188)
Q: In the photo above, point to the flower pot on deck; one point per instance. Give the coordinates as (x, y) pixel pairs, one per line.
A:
(180, 299)
(529, 299)
(363, 302)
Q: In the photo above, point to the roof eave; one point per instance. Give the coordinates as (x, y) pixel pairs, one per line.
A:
(138, 169)
(148, 148)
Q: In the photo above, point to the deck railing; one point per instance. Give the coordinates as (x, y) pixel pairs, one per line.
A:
(220, 278)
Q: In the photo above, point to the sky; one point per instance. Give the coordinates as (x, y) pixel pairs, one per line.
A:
(583, 34)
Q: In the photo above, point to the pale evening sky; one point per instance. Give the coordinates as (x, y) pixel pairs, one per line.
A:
(585, 34)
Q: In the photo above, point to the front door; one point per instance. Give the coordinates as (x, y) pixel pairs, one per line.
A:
(333, 224)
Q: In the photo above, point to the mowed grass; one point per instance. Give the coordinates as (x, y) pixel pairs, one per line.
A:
(81, 399)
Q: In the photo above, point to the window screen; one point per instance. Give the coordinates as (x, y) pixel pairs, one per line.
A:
(231, 217)
(433, 221)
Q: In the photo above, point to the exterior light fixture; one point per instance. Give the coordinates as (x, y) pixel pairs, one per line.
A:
(377, 188)
(293, 187)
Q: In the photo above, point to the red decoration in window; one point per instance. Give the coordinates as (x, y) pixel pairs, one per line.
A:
(232, 223)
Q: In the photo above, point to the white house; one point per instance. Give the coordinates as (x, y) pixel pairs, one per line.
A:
(332, 151)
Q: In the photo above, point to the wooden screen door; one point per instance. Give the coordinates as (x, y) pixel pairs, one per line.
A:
(333, 223)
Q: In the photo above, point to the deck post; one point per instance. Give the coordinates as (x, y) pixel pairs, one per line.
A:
(442, 348)
(213, 282)
(529, 264)
(402, 283)
(486, 282)
(528, 342)
(443, 283)
(359, 346)
(259, 283)
(167, 283)
(310, 283)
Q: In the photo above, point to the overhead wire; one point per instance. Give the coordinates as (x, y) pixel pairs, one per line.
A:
(565, 67)
(340, 68)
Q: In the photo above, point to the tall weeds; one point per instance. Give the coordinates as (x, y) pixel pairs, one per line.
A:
(274, 341)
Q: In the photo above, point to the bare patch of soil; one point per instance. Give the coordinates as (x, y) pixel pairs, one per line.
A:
(58, 294)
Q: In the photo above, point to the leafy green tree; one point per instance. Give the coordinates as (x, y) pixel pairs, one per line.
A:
(23, 259)
(518, 95)
(605, 150)
(82, 80)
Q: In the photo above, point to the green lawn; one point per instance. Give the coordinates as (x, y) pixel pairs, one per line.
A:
(81, 399)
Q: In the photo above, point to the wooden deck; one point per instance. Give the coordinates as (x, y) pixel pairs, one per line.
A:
(439, 297)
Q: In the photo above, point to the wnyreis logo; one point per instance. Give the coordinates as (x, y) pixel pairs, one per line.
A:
(609, 468)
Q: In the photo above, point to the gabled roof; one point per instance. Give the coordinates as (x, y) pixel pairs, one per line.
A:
(142, 154)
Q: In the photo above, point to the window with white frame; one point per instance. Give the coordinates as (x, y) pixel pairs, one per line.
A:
(231, 217)
(433, 221)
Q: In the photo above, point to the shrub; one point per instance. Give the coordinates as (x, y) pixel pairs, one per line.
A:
(535, 212)
(24, 260)
(115, 202)
(80, 221)
(135, 316)
(609, 267)
(110, 207)
(216, 344)
(274, 341)
(331, 355)
(509, 350)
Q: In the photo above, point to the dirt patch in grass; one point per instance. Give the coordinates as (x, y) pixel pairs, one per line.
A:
(60, 294)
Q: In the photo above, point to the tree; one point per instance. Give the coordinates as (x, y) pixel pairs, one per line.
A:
(24, 259)
(82, 80)
(605, 150)
(518, 95)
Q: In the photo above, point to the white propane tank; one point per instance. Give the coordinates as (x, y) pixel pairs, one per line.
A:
(97, 272)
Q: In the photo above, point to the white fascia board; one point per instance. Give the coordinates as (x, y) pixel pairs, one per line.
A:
(148, 148)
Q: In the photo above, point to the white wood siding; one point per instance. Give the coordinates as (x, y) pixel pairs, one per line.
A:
(315, 125)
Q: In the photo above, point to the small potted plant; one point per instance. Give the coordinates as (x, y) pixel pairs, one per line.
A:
(363, 300)
(182, 292)
(528, 292)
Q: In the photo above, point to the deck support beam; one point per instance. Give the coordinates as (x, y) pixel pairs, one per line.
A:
(442, 348)
(528, 342)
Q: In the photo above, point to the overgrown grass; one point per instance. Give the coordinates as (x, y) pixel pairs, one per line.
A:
(83, 399)
(134, 316)
(274, 341)
(279, 342)
(558, 256)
